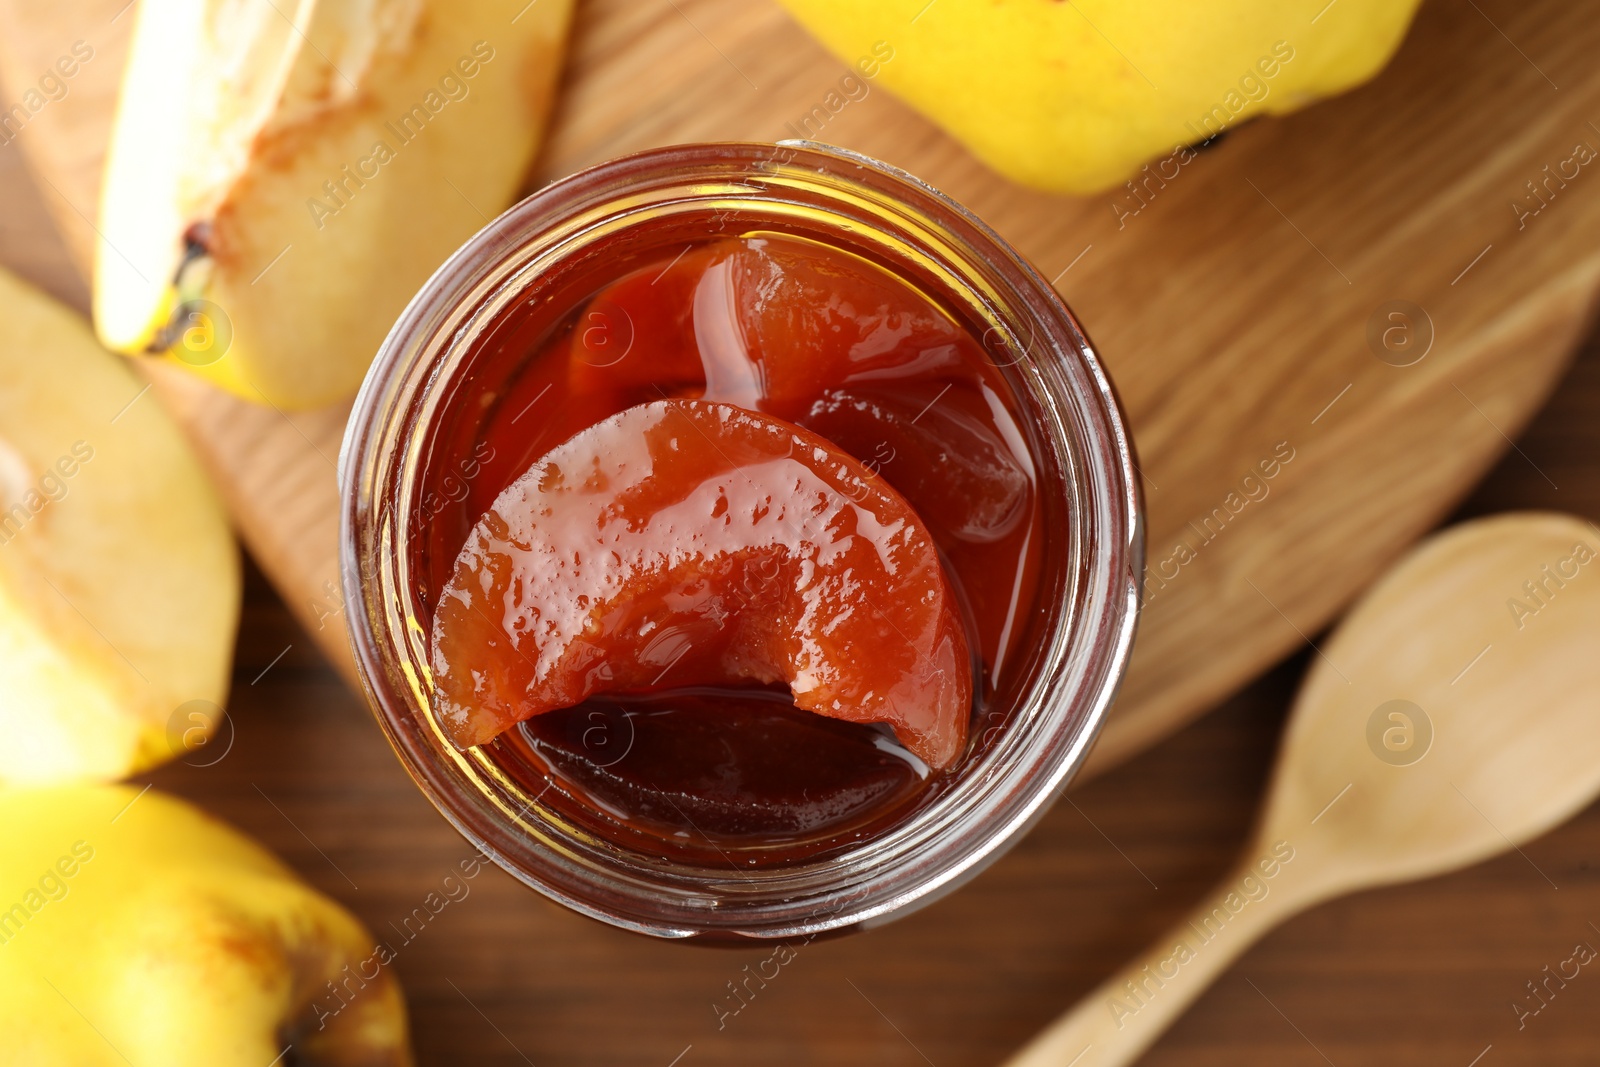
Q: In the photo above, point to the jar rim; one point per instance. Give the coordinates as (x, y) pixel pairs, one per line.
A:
(1075, 673)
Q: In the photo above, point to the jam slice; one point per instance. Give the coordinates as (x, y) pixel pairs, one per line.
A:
(683, 543)
(933, 445)
(780, 321)
(765, 323)
(635, 338)
(821, 339)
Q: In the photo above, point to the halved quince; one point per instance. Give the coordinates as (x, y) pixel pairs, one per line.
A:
(119, 579)
(284, 174)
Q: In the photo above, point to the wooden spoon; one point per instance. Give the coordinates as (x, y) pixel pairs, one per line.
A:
(1454, 715)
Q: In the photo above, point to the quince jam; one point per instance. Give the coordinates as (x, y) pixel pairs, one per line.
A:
(747, 535)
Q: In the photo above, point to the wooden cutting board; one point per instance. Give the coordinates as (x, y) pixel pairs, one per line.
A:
(1236, 304)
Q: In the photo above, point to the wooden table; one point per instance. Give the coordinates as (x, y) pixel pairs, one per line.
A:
(1421, 974)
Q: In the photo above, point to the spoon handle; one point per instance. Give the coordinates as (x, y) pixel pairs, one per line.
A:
(1124, 1016)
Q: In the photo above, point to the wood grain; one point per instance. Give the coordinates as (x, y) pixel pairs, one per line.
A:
(1233, 308)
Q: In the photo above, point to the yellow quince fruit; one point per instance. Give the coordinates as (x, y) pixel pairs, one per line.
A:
(135, 928)
(1073, 95)
(284, 175)
(119, 577)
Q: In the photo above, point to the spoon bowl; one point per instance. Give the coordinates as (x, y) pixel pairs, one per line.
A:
(1454, 715)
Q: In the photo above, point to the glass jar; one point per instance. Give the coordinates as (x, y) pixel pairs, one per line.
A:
(1033, 735)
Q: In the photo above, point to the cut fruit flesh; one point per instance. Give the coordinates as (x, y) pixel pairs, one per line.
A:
(690, 543)
(119, 579)
(287, 175)
(231, 64)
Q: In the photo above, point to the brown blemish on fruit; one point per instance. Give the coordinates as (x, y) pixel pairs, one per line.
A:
(366, 1030)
